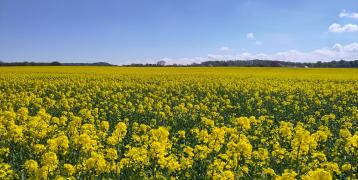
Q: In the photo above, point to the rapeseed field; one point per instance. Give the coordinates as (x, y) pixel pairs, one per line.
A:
(178, 123)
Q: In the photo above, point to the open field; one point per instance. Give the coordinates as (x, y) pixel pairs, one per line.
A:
(184, 123)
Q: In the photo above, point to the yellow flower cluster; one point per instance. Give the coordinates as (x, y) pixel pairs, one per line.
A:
(178, 123)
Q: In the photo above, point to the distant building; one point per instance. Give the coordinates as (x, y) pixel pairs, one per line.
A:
(161, 63)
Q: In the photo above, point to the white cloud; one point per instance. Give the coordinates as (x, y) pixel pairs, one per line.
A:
(353, 47)
(224, 48)
(349, 15)
(336, 52)
(337, 28)
(250, 36)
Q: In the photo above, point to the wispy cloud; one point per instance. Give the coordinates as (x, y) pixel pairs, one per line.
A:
(224, 48)
(344, 13)
(250, 35)
(337, 28)
(336, 52)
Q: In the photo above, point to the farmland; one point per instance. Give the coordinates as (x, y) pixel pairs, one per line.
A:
(180, 123)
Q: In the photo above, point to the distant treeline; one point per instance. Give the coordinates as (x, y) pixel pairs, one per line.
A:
(55, 63)
(239, 63)
(270, 63)
(264, 63)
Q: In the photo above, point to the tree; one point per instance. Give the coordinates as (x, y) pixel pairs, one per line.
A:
(161, 63)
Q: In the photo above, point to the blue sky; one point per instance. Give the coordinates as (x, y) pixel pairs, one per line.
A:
(178, 31)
